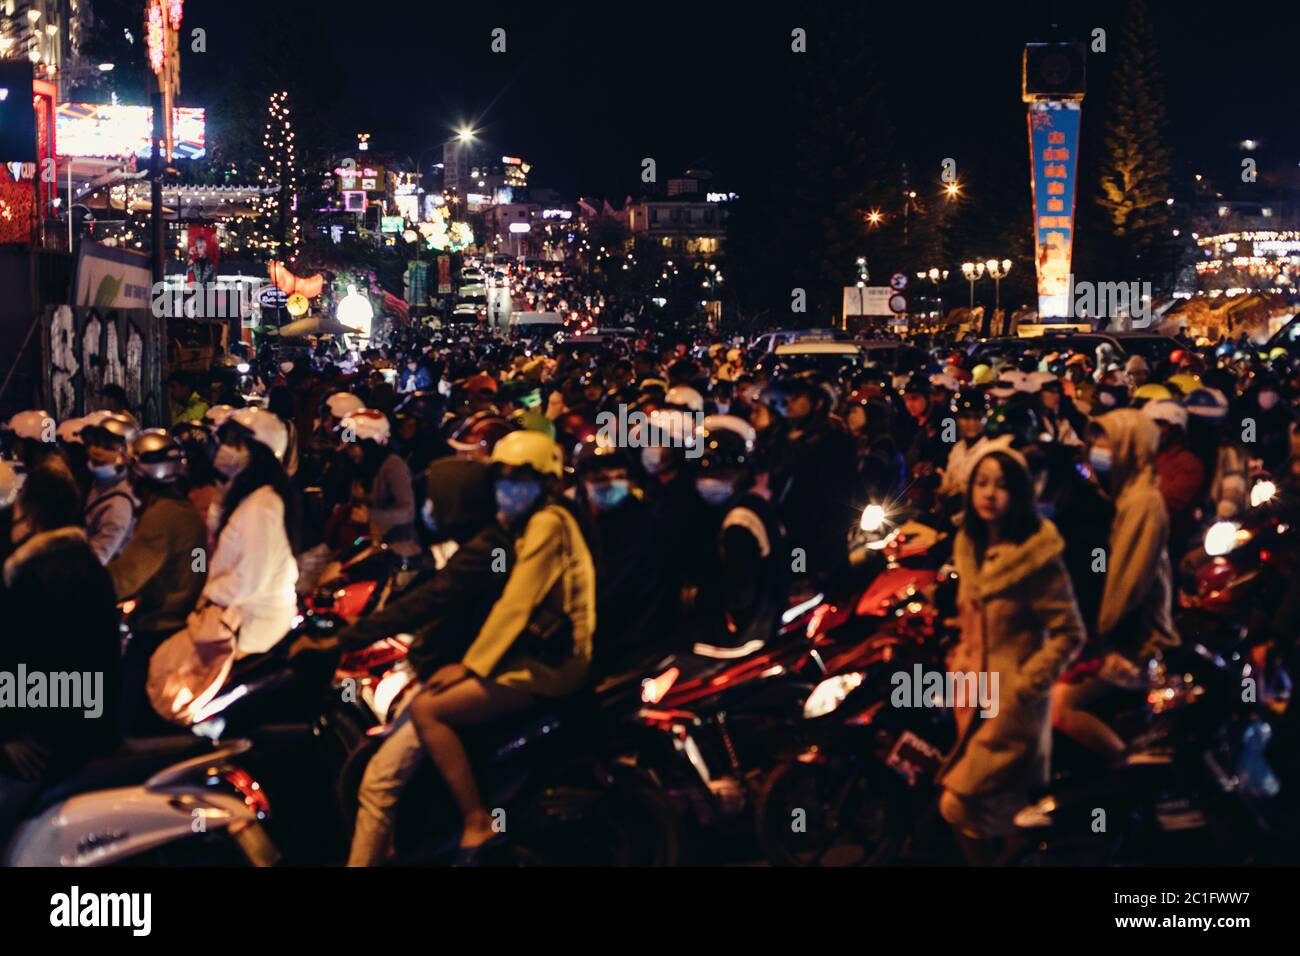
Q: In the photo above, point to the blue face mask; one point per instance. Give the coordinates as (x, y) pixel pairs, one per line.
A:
(426, 515)
(105, 471)
(607, 496)
(715, 491)
(1100, 460)
(514, 498)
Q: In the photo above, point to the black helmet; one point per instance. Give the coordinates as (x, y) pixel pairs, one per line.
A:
(157, 456)
(776, 396)
(970, 401)
(595, 456)
(1018, 420)
(116, 430)
(726, 441)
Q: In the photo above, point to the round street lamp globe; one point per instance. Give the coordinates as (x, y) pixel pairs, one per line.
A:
(355, 311)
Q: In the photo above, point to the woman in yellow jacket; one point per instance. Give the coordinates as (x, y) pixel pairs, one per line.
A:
(536, 641)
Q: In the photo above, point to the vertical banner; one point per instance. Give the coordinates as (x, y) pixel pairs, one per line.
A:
(1053, 157)
(444, 275)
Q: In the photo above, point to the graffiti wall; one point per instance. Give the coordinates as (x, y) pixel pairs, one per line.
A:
(85, 348)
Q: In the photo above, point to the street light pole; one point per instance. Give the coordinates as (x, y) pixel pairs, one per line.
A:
(974, 271)
(998, 271)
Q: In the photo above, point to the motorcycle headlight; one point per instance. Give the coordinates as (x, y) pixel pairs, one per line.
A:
(830, 693)
(1262, 492)
(1221, 538)
(873, 519)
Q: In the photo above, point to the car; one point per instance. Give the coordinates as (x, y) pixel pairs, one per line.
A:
(822, 355)
(1152, 346)
(767, 343)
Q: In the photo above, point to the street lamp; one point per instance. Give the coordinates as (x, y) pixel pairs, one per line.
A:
(863, 278)
(997, 271)
(973, 271)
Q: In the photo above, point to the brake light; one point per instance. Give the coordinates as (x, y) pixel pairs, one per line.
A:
(248, 788)
(656, 689)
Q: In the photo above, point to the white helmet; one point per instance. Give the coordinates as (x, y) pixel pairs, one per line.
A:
(263, 427)
(31, 424)
(216, 415)
(666, 427)
(368, 424)
(683, 396)
(343, 404)
(1036, 381)
(730, 423)
(1166, 410)
(69, 431)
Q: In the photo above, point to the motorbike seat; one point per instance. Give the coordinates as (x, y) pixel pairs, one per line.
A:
(131, 764)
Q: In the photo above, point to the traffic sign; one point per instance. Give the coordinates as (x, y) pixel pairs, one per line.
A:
(898, 281)
(897, 303)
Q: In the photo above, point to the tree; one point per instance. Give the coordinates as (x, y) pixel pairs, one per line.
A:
(278, 234)
(1134, 180)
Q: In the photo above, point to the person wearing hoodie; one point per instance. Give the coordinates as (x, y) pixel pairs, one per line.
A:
(1134, 623)
(443, 615)
(60, 617)
(1179, 471)
(1020, 625)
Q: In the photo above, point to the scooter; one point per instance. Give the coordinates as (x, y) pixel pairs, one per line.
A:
(197, 807)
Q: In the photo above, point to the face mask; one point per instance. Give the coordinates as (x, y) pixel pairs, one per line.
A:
(608, 495)
(1267, 400)
(723, 407)
(1100, 460)
(230, 461)
(105, 471)
(514, 498)
(655, 459)
(715, 491)
(426, 515)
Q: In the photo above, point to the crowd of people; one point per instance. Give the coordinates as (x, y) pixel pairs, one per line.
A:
(566, 547)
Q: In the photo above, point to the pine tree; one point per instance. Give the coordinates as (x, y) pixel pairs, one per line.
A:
(1135, 162)
(278, 234)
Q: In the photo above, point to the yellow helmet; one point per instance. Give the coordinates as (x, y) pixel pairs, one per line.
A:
(982, 375)
(1277, 352)
(1185, 382)
(529, 449)
(1152, 392)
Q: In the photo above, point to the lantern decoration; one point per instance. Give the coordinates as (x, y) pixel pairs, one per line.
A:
(297, 305)
(288, 283)
(443, 235)
(174, 9)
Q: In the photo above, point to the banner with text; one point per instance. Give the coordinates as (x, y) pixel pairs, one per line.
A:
(1053, 157)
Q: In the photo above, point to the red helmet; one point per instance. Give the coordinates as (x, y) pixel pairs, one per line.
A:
(480, 433)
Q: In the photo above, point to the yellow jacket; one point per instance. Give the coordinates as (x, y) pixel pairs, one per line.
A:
(550, 555)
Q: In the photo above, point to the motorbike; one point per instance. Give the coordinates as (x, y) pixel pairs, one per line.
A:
(198, 806)
(715, 720)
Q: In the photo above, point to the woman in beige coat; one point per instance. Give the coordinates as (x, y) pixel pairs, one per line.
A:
(1020, 626)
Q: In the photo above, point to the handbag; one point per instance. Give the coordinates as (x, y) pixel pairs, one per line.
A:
(189, 668)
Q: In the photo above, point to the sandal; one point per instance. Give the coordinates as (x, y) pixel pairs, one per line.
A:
(475, 855)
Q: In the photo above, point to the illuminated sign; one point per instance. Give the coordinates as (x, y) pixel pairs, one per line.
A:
(1053, 157)
(512, 160)
(367, 178)
(392, 224)
(520, 227)
(557, 214)
(477, 199)
(101, 129)
(720, 197)
(354, 201)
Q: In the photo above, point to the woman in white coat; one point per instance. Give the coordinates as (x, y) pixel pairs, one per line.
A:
(252, 570)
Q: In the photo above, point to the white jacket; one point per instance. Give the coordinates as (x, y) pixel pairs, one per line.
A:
(253, 569)
(956, 473)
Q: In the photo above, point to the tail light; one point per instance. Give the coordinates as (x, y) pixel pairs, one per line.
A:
(248, 788)
(656, 689)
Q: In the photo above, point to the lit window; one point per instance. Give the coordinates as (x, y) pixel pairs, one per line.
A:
(1266, 212)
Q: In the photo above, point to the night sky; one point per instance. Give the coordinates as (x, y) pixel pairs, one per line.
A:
(585, 91)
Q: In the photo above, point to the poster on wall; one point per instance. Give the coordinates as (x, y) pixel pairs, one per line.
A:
(86, 348)
(1053, 155)
(203, 254)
